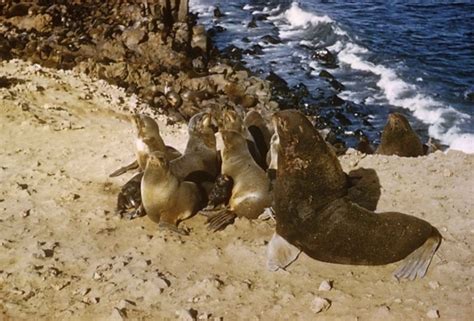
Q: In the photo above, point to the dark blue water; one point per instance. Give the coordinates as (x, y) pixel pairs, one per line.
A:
(413, 57)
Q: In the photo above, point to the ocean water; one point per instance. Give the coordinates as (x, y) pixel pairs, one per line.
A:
(414, 57)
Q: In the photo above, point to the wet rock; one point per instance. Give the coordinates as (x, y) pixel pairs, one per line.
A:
(252, 23)
(217, 13)
(232, 52)
(325, 57)
(334, 100)
(271, 39)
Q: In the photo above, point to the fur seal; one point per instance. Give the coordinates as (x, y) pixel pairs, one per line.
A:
(148, 140)
(166, 198)
(251, 189)
(398, 138)
(200, 160)
(313, 215)
(232, 120)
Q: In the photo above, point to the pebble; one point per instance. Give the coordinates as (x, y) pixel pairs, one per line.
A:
(325, 286)
(320, 304)
(186, 315)
(447, 173)
(434, 285)
(125, 304)
(117, 315)
(433, 314)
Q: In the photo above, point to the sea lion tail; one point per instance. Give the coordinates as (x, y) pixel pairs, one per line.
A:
(416, 264)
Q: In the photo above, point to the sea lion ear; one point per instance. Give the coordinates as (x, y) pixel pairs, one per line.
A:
(280, 253)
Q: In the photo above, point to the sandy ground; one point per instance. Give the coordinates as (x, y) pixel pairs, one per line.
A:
(64, 254)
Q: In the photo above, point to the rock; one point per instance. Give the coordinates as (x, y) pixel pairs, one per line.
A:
(252, 23)
(434, 285)
(271, 39)
(447, 173)
(187, 315)
(325, 286)
(217, 13)
(117, 315)
(325, 57)
(132, 37)
(199, 39)
(320, 304)
(433, 314)
(125, 305)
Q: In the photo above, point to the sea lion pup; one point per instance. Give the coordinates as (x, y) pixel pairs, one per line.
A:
(148, 140)
(167, 199)
(232, 120)
(313, 216)
(398, 138)
(219, 195)
(129, 200)
(251, 189)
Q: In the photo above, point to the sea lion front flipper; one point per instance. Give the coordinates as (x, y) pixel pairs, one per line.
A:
(219, 221)
(124, 169)
(416, 264)
(172, 228)
(280, 253)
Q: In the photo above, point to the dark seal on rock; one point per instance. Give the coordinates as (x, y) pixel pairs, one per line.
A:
(313, 215)
(398, 138)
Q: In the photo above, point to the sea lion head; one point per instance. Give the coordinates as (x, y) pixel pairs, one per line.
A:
(203, 125)
(231, 120)
(234, 143)
(145, 126)
(309, 175)
(397, 122)
(398, 138)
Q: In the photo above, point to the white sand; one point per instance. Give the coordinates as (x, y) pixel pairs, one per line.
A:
(65, 255)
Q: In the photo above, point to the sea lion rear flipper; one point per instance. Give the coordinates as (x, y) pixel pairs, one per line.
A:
(280, 253)
(173, 228)
(416, 264)
(219, 221)
(124, 169)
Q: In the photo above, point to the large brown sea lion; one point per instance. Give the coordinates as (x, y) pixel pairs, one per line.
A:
(314, 216)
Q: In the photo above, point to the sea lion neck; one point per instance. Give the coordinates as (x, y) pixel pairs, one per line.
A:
(309, 175)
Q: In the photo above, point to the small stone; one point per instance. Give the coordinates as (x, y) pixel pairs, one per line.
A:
(117, 315)
(447, 173)
(433, 314)
(325, 286)
(91, 300)
(26, 213)
(187, 315)
(434, 285)
(320, 304)
(126, 304)
(97, 276)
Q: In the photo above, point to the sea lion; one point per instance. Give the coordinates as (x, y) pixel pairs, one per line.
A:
(167, 199)
(148, 140)
(314, 216)
(251, 189)
(398, 138)
(200, 160)
(232, 120)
